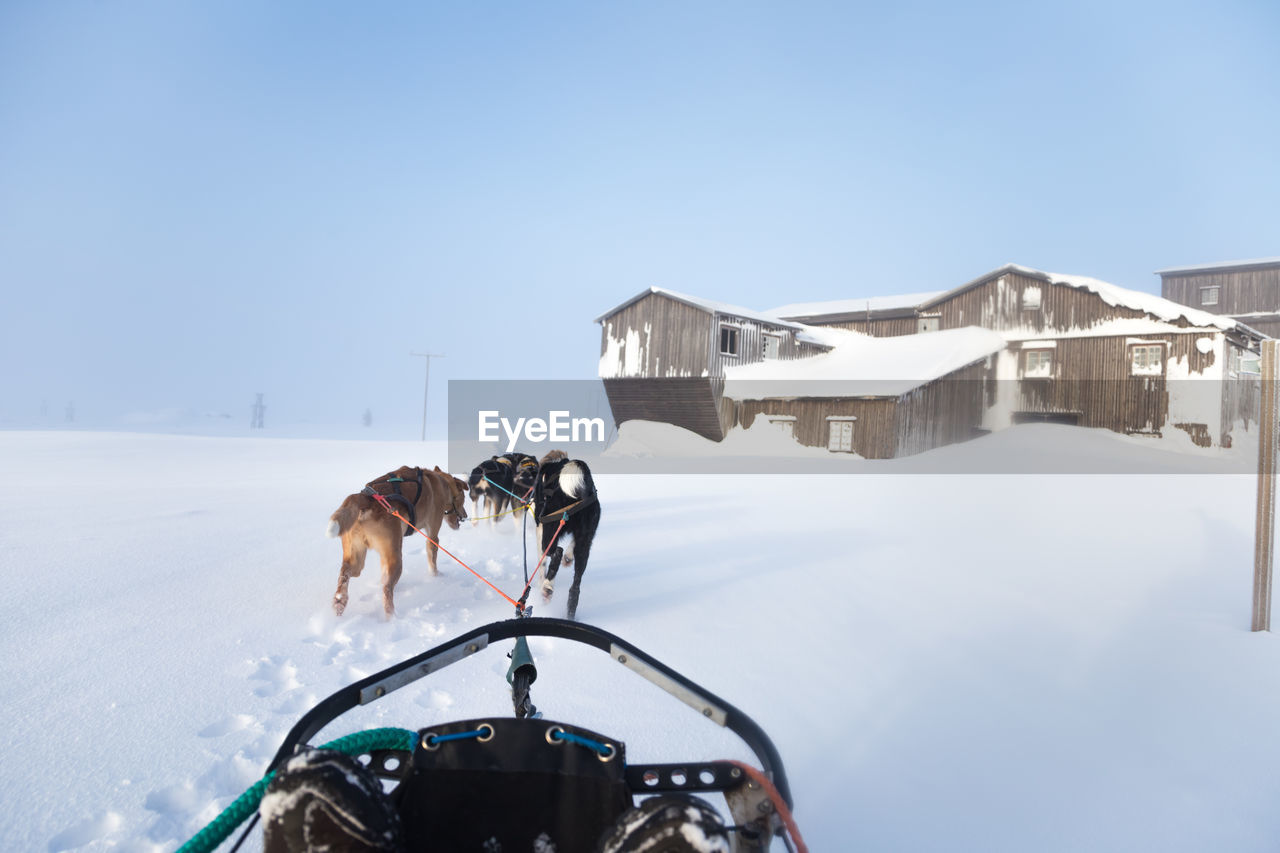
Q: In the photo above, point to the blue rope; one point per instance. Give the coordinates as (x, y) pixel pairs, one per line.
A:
(435, 739)
(582, 741)
(508, 491)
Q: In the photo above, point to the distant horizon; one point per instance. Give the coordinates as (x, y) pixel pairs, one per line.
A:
(204, 202)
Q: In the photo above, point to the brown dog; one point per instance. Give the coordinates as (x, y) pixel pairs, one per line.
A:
(426, 498)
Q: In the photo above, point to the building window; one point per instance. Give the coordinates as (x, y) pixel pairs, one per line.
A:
(1209, 295)
(927, 324)
(840, 434)
(1146, 359)
(1031, 299)
(769, 347)
(728, 340)
(786, 423)
(1037, 364)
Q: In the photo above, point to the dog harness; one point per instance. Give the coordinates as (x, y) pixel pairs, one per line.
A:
(569, 509)
(396, 496)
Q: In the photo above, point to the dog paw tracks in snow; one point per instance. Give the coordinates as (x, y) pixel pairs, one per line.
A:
(277, 674)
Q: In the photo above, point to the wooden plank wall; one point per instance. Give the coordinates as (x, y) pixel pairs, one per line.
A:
(1091, 377)
(1242, 291)
(889, 328)
(874, 433)
(1241, 404)
(944, 411)
(1267, 326)
(678, 341)
(751, 343)
(690, 403)
(997, 306)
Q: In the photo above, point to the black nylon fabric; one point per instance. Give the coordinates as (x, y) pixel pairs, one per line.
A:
(515, 793)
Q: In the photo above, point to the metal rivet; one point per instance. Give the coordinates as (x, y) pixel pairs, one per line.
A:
(380, 692)
(735, 773)
(473, 648)
(622, 658)
(706, 712)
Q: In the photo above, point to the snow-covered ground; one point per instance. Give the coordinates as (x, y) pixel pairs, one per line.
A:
(946, 662)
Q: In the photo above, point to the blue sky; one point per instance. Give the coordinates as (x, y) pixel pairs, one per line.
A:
(203, 201)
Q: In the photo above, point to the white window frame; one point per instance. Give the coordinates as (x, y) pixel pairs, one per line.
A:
(1211, 294)
(1031, 298)
(767, 338)
(735, 337)
(1044, 363)
(840, 433)
(928, 323)
(787, 423)
(1142, 365)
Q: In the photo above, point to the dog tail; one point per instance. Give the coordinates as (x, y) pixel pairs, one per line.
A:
(342, 519)
(572, 479)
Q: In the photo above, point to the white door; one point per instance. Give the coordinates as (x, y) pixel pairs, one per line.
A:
(841, 436)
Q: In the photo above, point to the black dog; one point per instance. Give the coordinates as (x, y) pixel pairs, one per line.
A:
(492, 480)
(522, 481)
(503, 481)
(565, 492)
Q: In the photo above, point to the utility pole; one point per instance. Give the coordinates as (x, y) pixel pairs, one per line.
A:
(426, 386)
(1264, 535)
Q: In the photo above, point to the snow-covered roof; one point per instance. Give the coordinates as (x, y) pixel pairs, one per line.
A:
(853, 306)
(1225, 265)
(863, 366)
(708, 305)
(1112, 294)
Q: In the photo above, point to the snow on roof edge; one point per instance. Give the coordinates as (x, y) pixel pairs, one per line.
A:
(1112, 294)
(708, 305)
(1224, 265)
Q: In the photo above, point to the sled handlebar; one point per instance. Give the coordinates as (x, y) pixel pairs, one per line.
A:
(381, 683)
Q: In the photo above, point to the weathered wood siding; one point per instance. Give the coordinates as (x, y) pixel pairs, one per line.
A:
(666, 365)
(1241, 405)
(692, 403)
(938, 413)
(1241, 291)
(944, 411)
(890, 328)
(751, 343)
(1269, 326)
(874, 432)
(998, 304)
(657, 336)
(1091, 378)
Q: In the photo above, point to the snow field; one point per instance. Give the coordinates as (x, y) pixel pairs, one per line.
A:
(945, 662)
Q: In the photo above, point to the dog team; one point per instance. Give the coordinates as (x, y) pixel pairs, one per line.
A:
(408, 500)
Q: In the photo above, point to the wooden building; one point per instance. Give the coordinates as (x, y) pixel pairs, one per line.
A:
(1083, 351)
(663, 356)
(1246, 291)
(1067, 349)
(876, 397)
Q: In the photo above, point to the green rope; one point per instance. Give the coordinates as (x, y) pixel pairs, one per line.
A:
(207, 839)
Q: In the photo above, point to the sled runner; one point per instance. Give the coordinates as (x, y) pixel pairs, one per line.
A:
(504, 784)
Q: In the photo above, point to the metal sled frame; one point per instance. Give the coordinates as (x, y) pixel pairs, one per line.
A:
(642, 778)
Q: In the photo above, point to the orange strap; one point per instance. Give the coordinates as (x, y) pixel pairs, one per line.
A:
(386, 504)
(538, 567)
(778, 803)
